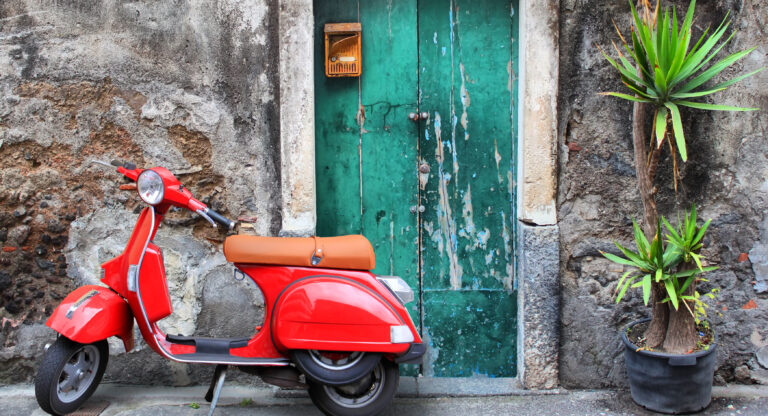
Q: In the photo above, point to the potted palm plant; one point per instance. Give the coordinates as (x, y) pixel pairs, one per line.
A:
(666, 70)
(663, 381)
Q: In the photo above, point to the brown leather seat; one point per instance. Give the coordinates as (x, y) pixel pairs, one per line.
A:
(344, 252)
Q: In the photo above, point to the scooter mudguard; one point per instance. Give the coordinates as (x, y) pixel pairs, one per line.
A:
(334, 314)
(93, 313)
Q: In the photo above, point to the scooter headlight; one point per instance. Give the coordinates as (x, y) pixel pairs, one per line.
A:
(150, 186)
(398, 287)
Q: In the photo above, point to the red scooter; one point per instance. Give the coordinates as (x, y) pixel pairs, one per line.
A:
(326, 316)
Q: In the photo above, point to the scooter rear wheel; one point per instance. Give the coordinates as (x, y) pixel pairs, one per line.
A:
(335, 368)
(367, 397)
(69, 373)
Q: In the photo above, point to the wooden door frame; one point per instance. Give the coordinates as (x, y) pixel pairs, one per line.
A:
(538, 262)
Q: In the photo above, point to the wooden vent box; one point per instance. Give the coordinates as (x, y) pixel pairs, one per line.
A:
(343, 50)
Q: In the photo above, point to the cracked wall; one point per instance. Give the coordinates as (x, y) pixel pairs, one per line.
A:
(597, 198)
(188, 85)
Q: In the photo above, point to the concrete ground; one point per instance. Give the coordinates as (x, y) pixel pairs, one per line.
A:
(114, 400)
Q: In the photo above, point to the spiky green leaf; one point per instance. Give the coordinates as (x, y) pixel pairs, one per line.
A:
(691, 272)
(616, 259)
(715, 69)
(627, 97)
(737, 79)
(677, 127)
(671, 292)
(702, 230)
(661, 125)
(624, 288)
(646, 288)
(717, 107)
(681, 95)
(640, 241)
(687, 283)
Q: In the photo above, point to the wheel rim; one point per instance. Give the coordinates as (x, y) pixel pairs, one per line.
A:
(361, 393)
(336, 361)
(78, 373)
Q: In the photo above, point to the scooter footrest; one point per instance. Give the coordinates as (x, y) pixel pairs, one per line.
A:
(209, 345)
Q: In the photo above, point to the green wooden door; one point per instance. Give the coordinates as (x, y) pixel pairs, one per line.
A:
(435, 196)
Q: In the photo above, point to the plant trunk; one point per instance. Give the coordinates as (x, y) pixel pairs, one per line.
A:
(645, 170)
(682, 335)
(657, 330)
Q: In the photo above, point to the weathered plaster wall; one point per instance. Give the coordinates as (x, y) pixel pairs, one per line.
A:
(189, 85)
(726, 177)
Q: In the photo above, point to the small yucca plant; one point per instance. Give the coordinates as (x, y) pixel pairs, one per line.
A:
(667, 72)
(667, 264)
(676, 267)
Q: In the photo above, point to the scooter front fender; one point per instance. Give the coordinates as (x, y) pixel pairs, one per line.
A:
(92, 313)
(334, 313)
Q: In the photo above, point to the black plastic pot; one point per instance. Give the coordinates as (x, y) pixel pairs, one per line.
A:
(669, 383)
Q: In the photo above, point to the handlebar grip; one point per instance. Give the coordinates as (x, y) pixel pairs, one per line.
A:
(220, 219)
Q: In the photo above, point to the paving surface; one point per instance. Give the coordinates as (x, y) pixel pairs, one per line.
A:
(245, 400)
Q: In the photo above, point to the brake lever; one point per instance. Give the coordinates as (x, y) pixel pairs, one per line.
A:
(204, 215)
(115, 163)
(99, 162)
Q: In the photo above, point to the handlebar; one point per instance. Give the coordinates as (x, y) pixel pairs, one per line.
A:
(175, 192)
(226, 222)
(212, 216)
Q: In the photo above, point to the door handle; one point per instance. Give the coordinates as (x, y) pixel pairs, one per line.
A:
(419, 208)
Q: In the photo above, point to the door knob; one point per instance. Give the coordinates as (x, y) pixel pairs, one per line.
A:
(418, 116)
(417, 208)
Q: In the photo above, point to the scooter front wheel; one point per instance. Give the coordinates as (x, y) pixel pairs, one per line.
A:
(69, 373)
(367, 397)
(335, 368)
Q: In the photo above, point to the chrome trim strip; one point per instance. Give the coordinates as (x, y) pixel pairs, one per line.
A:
(80, 302)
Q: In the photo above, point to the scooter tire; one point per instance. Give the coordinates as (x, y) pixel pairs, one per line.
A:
(52, 373)
(310, 363)
(371, 398)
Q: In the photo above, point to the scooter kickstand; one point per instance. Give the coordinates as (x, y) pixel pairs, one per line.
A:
(217, 382)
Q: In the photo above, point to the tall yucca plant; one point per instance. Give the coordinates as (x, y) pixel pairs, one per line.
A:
(666, 70)
(671, 72)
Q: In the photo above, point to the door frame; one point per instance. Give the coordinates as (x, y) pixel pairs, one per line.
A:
(538, 265)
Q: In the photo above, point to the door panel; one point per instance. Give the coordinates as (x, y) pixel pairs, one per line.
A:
(337, 136)
(455, 60)
(367, 151)
(388, 91)
(467, 241)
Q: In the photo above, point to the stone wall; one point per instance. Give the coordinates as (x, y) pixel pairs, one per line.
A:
(188, 85)
(726, 177)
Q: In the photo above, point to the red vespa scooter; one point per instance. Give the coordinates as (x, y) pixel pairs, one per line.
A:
(326, 316)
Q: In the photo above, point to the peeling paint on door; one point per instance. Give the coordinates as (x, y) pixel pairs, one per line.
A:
(465, 101)
(444, 210)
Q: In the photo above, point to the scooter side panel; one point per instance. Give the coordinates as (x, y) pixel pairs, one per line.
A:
(334, 313)
(154, 287)
(93, 313)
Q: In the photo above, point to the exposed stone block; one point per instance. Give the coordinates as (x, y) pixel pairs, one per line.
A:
(539, 307)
